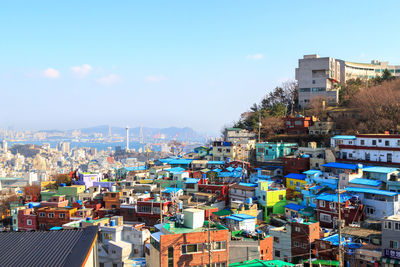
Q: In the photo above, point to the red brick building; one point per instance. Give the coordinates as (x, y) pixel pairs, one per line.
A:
(352, 210)
(27, 220)
(297, 125)
(186, 246)
(32, 193)
(303, 236)
(295, 165)
(49, 217)
(145, 211)
(222, 191)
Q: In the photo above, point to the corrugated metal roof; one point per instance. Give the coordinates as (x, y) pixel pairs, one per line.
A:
(296, 176)
(46, 248)
(192, 181)
(363, 181)
(294, 206)
(215, 162)
(338, 165)
(348, 137)
(380, 169)
(312, 172)
(371, 191)
(333, 197)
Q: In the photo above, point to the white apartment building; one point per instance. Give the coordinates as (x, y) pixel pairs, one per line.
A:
(322, 76)
(368, 148)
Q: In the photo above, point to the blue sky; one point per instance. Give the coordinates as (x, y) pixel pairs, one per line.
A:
(200, 64)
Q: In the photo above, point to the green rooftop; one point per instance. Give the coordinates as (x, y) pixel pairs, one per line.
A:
(261, 263)
(222, 213)
(324, 262)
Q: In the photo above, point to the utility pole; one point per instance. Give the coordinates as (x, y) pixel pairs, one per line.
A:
(259, 127)
(340, 227)
(209, 240)
(161, 209)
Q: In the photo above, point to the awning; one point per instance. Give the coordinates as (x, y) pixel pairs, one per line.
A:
(388, 260)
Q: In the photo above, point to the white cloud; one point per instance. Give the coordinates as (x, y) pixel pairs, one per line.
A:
(108, 80)
(255, 56)
(155, 78)
(82, 71)
(51, 73)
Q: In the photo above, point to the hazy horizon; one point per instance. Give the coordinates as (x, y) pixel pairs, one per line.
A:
(74, 64)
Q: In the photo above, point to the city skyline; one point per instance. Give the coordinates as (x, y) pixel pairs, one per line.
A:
(118, 65)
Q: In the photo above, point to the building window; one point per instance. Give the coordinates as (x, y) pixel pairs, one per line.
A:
(277, 253)
(325, 218)
(29, 222)
(193, 248)
(170, 257)
(370, 210)
(394, 244)
(322, 245)
(276, 239)
(42, 214)
(362, 142)
(367, 156)
(388, 225)
(291, 183)
(387, 143)
(322, 203)
(297, 229)
(62, 215)
(51, 215)
(280, 197)
(397, 226)
(42, 225)
(374, 142)
(108, 236)
(221, 245)
(389, 157)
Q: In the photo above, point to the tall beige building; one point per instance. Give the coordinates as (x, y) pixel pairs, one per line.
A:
(322, 76)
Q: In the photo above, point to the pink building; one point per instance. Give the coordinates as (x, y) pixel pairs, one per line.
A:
(55, 201)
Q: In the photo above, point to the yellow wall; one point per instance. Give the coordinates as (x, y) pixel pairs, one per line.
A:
(302, 183)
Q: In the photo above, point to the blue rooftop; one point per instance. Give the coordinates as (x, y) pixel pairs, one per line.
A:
(170, 190)
(294, 206)
(248, 184)
(192, 181)
(312, 172)
(348, 137)
(334, 239)
(139, 168)
(338, 165)
(230, 169)
(333, 197)
(215, 162)
(180, 162)
(363, 181)
(372, 191)
(380, 169)
(240, 217)
(296, 176)
(217, 170)
(176, 169)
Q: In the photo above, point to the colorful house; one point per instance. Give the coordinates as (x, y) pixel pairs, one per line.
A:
(71, 192)
(296, 181)
(272, 199)
(269, 151)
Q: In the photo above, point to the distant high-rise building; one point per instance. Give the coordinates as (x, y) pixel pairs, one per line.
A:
(141, 139)
(4, 146)
(64, 147)
(127, 138)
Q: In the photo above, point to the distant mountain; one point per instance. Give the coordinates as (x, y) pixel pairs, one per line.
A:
(181, 134)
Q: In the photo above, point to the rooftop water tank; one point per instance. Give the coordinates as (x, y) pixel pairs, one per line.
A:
(30, 205)
(193, 218)
(88, 219)
(62, 184)
(249, 200)
(113, 188)
(112, 223)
